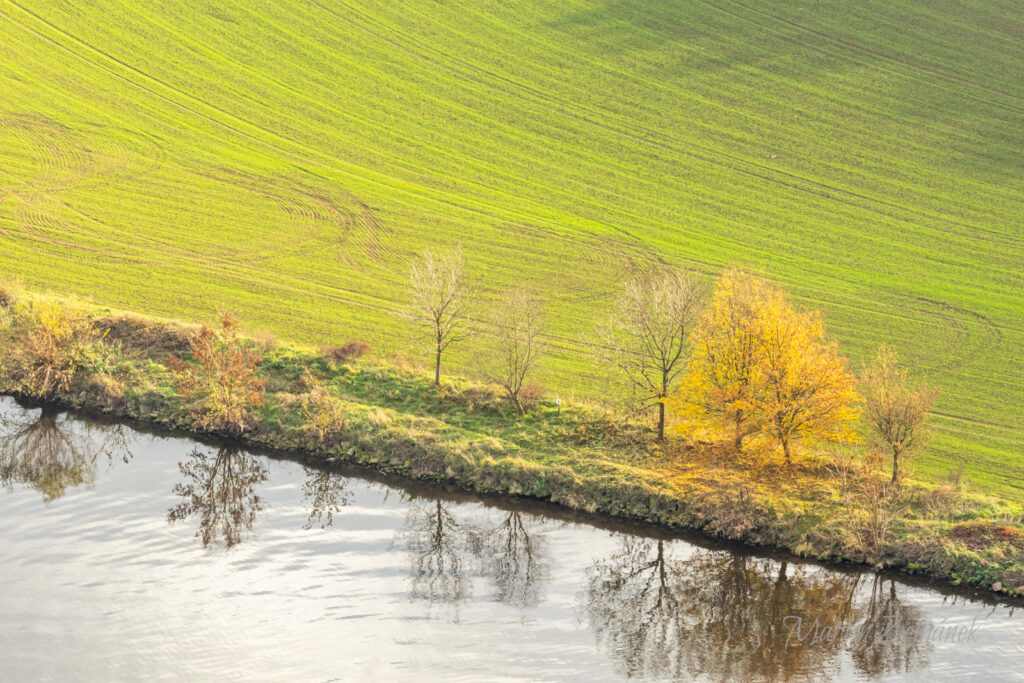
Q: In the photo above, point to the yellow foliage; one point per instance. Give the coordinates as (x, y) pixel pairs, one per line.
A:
(53, 337)
(758, 366)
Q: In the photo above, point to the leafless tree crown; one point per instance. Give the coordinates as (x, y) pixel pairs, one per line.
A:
(518, 321)
(440, 302)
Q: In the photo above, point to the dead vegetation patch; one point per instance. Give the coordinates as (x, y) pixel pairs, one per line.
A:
(979, 533)
(144, 338)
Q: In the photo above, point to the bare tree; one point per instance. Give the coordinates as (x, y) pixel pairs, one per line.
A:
(518, 320)
(221, 490)
(896, 412)
(646, 337)
(439, 300)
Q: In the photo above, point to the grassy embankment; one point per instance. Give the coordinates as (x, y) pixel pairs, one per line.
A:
(285, 160)
(391, 417)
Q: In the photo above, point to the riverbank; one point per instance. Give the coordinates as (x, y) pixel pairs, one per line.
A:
(385, 414)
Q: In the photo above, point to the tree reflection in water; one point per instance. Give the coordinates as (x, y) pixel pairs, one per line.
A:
(440, 547)
(221, 490)
(729, 616)
(325, 493)
(890, 636)
(514, 560)
(51, 452)
(447, 554)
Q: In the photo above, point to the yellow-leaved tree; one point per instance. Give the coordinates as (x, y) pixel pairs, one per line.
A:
(759, 366)
(807, 390)
(723, 382)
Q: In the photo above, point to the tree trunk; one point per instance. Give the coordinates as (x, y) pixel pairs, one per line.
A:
(895, 464)
(661, 421)
(437, 367)
(738, 441)
(515, 401)
(785, 449)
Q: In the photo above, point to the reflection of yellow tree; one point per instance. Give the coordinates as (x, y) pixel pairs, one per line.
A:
(720, 615)
(50, 454)
(749, 614)
(326, 493)
(512, 559)
(221, 490)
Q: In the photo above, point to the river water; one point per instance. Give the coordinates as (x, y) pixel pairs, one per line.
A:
(132, 556)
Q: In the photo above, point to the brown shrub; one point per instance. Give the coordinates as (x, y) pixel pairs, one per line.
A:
(224, 387)
(530, 395)
(350, 350)
(873, 503)
(979, 533)
(143, 336)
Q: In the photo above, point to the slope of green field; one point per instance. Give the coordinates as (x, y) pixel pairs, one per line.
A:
(286, 159)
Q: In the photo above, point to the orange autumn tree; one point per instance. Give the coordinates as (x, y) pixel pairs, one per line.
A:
(759, 366)
(807, 390)
(723, 383)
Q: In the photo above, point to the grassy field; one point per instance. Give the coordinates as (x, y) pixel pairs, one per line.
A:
(286, 159)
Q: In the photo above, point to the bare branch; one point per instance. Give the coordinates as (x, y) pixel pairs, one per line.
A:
(518, 320)
(440, 302)
(646, 338)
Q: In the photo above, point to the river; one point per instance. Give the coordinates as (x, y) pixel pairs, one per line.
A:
(132, 555)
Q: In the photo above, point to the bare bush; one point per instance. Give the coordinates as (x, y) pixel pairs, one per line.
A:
(350, 350)
(518, 319)
(322, 415)
(223, 386)
(52, 342)
(439, 300)
(873, 503)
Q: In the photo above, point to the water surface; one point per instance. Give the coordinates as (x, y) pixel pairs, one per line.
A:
(133, 556)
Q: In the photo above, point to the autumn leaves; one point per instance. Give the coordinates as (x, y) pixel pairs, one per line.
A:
(759, 366)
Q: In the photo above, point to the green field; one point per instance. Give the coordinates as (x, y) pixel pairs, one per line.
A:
(287, 159)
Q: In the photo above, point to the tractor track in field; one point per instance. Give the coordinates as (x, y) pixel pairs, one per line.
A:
(329, 218)
(961, 350)
(66, 159)
(849, 45)
(762, 171)
(702, 153)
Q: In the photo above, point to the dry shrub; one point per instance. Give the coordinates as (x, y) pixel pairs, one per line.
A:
(223, 387)
(265, 340)
(481, 397)
(51, 341)
(873, 503)
(939, 500)
(322, 415)
(980, 533)
(530, 395)
(144, 336)
(350, 350)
